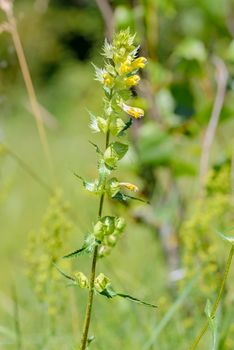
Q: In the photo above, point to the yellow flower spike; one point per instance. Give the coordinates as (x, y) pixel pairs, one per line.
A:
(139, 62)
(133, 80)
(134, 112)
(129, 186)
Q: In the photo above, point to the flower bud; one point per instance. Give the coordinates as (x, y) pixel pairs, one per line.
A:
(129, 186)
(101, 282)
(98, 230)
(132, 111)
(82, 280)
(120, 224)
(111, 240)
(103, 251)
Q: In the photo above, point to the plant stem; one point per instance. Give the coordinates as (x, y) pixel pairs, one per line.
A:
(216, 304)
(30, 89)
(92, 275)
(17, 320)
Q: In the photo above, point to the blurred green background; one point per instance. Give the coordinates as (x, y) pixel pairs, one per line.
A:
(170, 253)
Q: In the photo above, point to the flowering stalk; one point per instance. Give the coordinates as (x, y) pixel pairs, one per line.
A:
(92, 275)
(117, 77)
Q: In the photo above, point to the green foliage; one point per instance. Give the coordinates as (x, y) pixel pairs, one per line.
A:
(210, 213)
(44, 249)
(179, 88)
(114, 153)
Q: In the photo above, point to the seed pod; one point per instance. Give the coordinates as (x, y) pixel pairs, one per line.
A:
(82, 280)
(101, 282)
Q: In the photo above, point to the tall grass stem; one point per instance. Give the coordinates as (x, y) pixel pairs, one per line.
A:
(216, 304)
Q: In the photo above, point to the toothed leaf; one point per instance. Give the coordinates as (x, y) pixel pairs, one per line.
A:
(88, 247)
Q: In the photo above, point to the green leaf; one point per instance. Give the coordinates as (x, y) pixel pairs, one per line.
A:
(119, 196)
(88, 247)
(212, 323)
(89, 186)
(98, 73)
(191, 48)
(107, 50)
(110, 293)
(64, 274)
(135, 300)
(112, 187)
(114, 153)
(116, 126)
(93, 122)
(96, 147)
(127, 126)
(229, 239)
(102, 124)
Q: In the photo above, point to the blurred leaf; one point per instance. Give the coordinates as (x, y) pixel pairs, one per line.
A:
(65, 274)
(229, 239)
(212, 323)
(155, 145)
(191, 49)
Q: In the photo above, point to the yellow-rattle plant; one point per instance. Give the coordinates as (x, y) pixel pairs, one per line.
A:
(119, 75)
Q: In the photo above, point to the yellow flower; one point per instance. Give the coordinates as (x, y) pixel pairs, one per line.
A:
(108, 80)
(134, 112)
(133, 80)
(139, 62)
(129, 186)
(125, 67)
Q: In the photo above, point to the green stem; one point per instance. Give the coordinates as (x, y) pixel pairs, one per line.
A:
(216, 304)
(92, 275)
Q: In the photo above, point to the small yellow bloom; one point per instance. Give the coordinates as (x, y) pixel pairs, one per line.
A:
(134, 112)
(125, 67)
(133, 80)
(108, 80)
(129, 186)
(139, 62)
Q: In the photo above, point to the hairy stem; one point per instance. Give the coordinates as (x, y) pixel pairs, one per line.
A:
(216, 304)
(92, 276)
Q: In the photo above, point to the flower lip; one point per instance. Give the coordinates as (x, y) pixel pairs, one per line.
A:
(134, 112)
(129, 186)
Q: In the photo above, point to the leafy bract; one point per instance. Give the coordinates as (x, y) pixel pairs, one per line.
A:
(88, 247)
(114, 153)
(109, 292)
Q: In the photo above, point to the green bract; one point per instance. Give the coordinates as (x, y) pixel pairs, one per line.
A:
(101, 282)
(114, 153)
(81, 279)
(106, 226)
